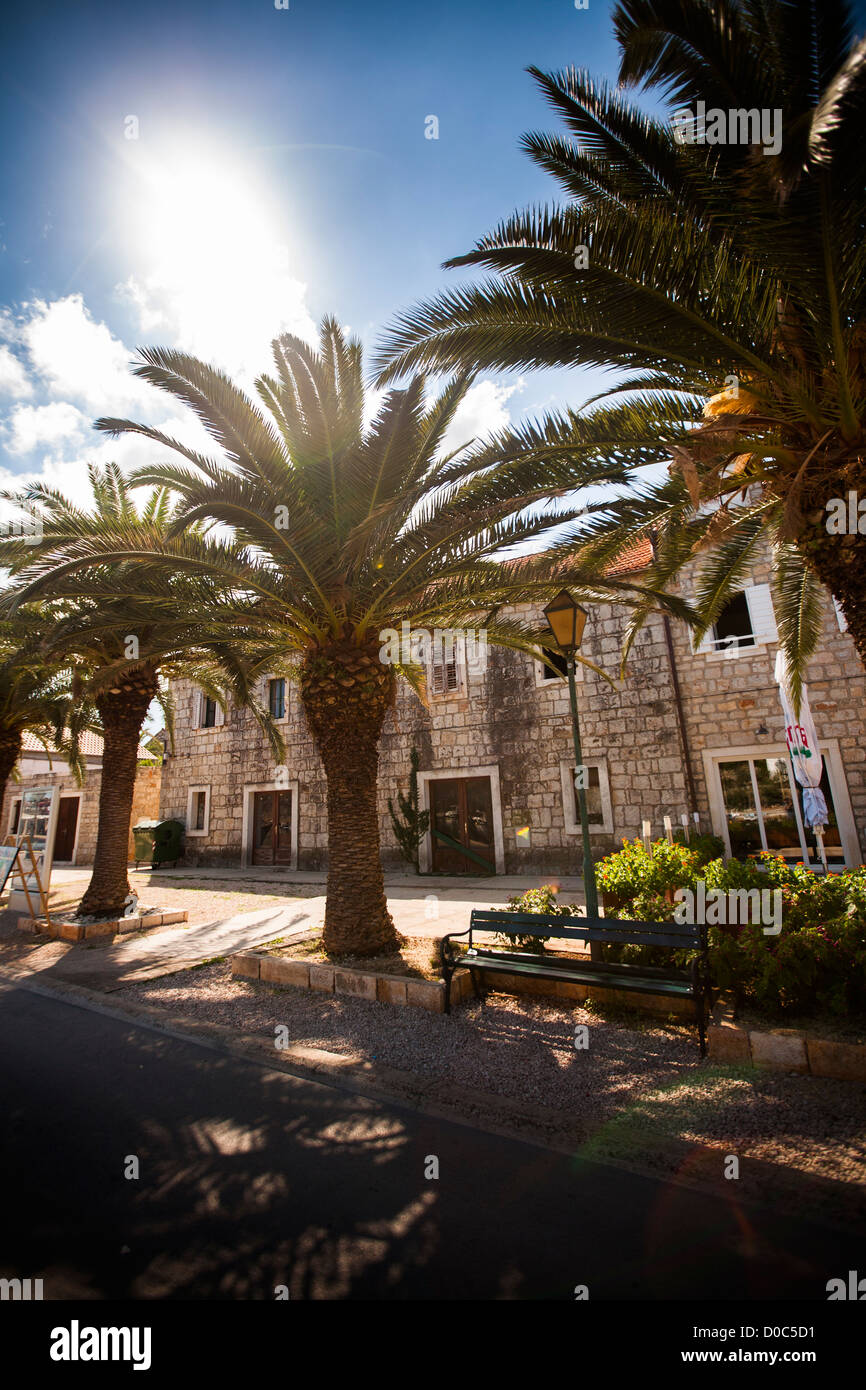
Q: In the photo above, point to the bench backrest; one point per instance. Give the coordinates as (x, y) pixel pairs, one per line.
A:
(684, 936)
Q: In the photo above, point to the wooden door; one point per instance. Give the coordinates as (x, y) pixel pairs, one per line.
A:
(272, 828)
(461, 811)
(67, 824)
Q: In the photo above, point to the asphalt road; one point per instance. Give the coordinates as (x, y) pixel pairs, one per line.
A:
(250, 1178)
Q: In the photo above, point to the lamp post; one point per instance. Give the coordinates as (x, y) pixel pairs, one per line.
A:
(567, 620)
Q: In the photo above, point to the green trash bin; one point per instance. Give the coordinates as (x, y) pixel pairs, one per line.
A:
(159, 841)
(143, 839)
(167, 843)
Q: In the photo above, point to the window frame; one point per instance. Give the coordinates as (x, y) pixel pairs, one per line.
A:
(192, 793)
(569, 797)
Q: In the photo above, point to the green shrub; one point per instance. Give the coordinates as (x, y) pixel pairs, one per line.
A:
(816, 963)
(635, 874)
(542, 900)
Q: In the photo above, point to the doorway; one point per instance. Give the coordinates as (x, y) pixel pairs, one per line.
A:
(461, 825)
(67, 827)
(271, 828)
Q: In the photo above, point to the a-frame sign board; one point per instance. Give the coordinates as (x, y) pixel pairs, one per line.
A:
(11, 857)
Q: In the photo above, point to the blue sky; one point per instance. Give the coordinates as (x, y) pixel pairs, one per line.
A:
(280, 172)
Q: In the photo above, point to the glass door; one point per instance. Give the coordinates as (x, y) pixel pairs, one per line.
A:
(763, 811)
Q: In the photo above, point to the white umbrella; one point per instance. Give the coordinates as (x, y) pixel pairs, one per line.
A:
(802, 741)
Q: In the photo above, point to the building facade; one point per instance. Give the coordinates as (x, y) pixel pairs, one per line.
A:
(685, 733)
(78, 806)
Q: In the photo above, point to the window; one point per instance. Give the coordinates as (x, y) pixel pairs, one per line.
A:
(746, 621)
(210, 716)
(598, 803)
(733, 627)
(445, 670)
(277, 698)
(558, 661)
(198, 811)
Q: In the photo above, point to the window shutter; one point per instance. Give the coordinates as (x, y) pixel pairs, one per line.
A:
(219, 717)
(840, 616)
(438, 678)
(199, 709)
(761, 612)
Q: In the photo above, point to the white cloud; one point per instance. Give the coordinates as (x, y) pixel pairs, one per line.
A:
(79, 359)
(31, 425)
(483, 410)
(13, 378)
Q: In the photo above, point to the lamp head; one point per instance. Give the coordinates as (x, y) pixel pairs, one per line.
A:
(567, 620)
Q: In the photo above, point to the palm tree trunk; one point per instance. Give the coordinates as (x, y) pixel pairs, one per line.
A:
(122, 712)
(346, 694)
(10, 750)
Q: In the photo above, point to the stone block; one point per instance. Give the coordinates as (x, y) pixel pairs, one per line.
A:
(322, 977)
(783, 1051)
(153, 919)
(101, 929)
(727, 1043)
(246, 965)
(70, 931)
(278, 971)
(390, 990)
(843, 1061)
(426, 994)
(355, 982)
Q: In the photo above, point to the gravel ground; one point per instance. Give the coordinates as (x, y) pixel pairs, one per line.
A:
(635, 1089)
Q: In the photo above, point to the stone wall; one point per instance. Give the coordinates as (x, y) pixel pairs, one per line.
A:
(504, 719)
(145, 802)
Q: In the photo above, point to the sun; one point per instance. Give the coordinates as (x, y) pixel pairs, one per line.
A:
(212, 259)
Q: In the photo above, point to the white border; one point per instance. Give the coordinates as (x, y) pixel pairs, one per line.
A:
(248, 791)
(491, 770)
(838, 782)
(572, 825)
(190, 795)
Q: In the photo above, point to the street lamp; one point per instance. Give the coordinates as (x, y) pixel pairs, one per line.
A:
(567, 620)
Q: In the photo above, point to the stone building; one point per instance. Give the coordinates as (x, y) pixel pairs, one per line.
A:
(78, 810)
(686, 732)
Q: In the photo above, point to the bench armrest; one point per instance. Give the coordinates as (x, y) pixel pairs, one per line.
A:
(446, 955)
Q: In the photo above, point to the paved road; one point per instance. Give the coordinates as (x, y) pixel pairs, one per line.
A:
(250, 1178)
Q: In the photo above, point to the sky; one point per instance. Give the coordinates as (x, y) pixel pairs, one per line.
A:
(206, 174)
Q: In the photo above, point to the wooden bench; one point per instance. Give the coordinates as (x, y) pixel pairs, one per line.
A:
(646, 979)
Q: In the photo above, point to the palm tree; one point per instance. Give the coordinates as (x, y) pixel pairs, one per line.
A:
(129, 631)
(37, 696)
(692, 268)
(338, 533)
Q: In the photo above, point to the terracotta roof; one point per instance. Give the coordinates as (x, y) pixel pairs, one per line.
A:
(91, 745)
(636, 557)
(632, 558)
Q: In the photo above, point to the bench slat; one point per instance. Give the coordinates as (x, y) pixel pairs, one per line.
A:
(586, 975)
(515, 922)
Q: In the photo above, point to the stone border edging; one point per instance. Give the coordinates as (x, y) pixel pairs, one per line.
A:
(429, 994)
(75, 931)
(361, 984)
(782, 1049)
